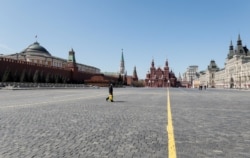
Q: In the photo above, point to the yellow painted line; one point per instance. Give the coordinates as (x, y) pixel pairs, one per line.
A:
(170, 131)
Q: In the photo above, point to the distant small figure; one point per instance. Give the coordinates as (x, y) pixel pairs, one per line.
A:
(205, 87)
(110, 97)
(200, 87)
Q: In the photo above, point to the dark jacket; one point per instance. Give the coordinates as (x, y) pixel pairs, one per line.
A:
(111, 89)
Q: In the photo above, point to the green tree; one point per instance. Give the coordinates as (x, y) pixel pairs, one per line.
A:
(23, 77)
(47, 79)
(36, 77)
(119, 80)
(16, 76)
(60, 79)
(52, 78)
(30, 76)
(56, 79)
(64, 80)
(42, 77)
(139, 83)
(7, 76)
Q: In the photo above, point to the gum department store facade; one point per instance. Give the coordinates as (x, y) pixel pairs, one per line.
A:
(235, 74)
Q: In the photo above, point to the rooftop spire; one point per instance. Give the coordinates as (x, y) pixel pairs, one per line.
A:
(153, 63)
(135, 74)
(231, 47)
(36, 38)
(239, 37)
(122, 67)
(239, 40)
(166, 63)
(122, 59)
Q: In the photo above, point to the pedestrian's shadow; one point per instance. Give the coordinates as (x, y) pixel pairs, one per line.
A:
(119, 101)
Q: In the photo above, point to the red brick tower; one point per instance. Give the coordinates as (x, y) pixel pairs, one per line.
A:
(160, 77)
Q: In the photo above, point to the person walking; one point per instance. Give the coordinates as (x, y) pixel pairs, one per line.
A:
(110, 97)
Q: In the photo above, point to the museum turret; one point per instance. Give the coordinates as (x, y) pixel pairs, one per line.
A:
(152, 63)
(152, 68)
(166, 70)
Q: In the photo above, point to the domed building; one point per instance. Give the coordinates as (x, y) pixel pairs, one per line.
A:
(36, 64)
(36, 49)
(35, 53)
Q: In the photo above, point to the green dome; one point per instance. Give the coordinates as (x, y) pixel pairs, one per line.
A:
(36, 49)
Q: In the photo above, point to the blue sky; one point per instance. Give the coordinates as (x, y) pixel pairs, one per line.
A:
(186, 32)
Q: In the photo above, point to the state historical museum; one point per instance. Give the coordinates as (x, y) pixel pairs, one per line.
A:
(158, 77)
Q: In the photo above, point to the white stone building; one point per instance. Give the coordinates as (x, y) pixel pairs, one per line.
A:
(191, 76)
(235, 74)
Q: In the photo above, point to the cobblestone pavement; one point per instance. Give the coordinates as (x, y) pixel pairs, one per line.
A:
(80, 123)
(211, 123)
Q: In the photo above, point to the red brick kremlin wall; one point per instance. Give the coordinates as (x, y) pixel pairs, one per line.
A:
(17, 66)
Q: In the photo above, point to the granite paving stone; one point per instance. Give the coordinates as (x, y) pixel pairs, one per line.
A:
(80, 123)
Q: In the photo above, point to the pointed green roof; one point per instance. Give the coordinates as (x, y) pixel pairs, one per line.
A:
(122, 59)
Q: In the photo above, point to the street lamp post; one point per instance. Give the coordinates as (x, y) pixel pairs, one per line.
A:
(240, 77)
(191, 82)
(246, 81)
